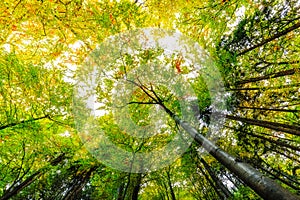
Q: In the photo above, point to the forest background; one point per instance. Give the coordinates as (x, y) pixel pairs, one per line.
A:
(254, 45)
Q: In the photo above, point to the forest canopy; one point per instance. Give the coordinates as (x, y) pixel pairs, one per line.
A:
(224, 109)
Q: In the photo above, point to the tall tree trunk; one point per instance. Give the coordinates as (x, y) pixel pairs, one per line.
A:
(291, 178)
(137, 187)
(120, 191)
(133, 186)
(278, 141)
(269, 109)
(23, 185)
(265, 88)
(236, 181)
(276, 176)
(269, 76)
(262, 185)
(170, 185)
(166, 189)
(295, 26)
(296, 85)
(83, 179)
(14, 191)
(294, 130)
(213, 184)
(127, 186)
(286, 153)
(219, 183)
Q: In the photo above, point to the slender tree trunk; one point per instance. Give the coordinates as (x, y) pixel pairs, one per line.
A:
(270, 76)
(285, 153)
(137, 187)
(213, 184)
(120, 192)
(277, 177)
(127, 186)
(287, 177)
(133, 186)
(237, 182)
(219, 183)
(277, 141)
(275, 63)
(265, 88)
(23, 185)
(280, 143)
(262, 185)
(269, 109)
(166, 189)
(294, 130)
(14, 191)
(170, 185)
(80, 184)
(295, 26)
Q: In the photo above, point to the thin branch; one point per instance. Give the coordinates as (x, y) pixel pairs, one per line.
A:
(22, 122)
(16, 6)
(137, 102)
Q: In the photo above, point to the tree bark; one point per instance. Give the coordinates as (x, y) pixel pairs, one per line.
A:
(133, 186)
(295, 26)
(269, 76)
(280, 143)
(262, 185)
(219, 183)
(14, 191)
(127, 186)
(294, 130)
(269, 168)
(265, 88)
(276, 176)
(277, 141)
(84, 178)
(269, 109)
(137, 187)
(170, 185)
(166, 189)
(23, 185)
(213, 184)
(120, 192)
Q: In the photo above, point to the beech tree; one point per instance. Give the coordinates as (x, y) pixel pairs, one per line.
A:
(254, 155)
